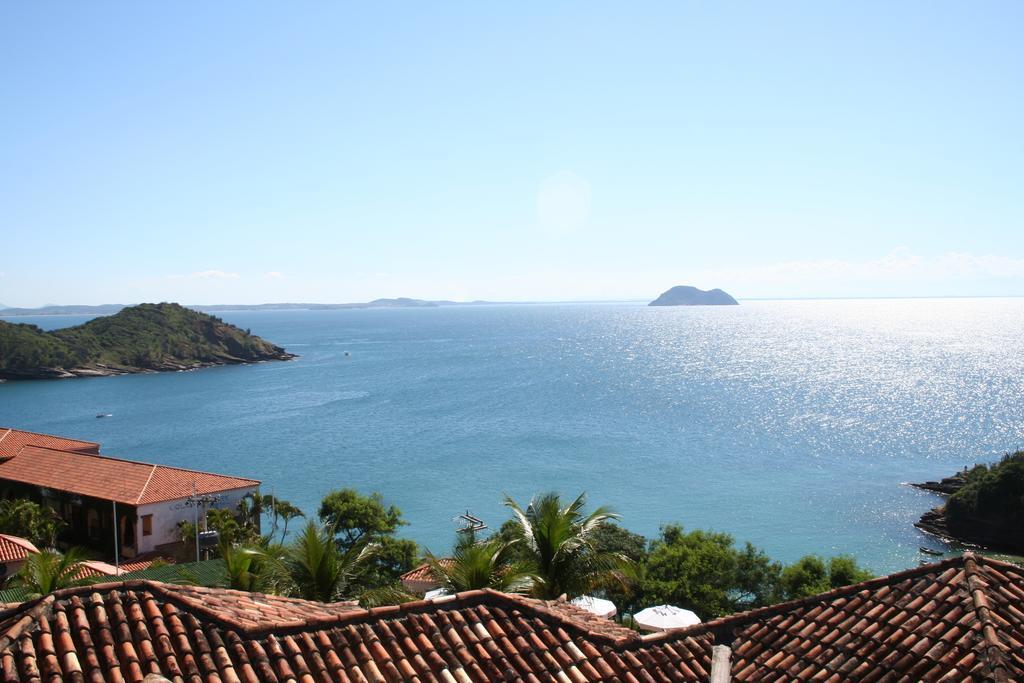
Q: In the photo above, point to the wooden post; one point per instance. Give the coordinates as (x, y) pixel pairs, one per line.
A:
(720, 665)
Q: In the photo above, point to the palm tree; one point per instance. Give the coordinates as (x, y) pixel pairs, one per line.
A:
(241, 566)
(287, 512)
(320, 570)
(278, 508)
(485, 564)
(251, 506)
(559, 545)
(47, 571)
(260, 568)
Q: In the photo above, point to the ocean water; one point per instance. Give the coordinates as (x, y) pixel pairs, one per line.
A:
(791, 424)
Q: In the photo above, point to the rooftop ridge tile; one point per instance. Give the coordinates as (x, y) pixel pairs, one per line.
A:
(899, 627)
(992, 651)
(180, 596)
(127, 481)
(10, 430)
(115, 458)
(142, 491)
(719, 625)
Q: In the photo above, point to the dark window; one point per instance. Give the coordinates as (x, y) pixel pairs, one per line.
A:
(147, 525)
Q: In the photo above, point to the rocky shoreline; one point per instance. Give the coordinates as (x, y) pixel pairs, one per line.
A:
(973, 532)
(100, 370)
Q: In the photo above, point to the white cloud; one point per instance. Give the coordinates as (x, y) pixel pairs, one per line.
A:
(899, 263)
(273, 275)
(898, 272)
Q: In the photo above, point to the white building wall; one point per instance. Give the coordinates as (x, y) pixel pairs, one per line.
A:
(167, 516)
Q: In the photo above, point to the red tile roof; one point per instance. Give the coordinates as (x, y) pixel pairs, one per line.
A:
(421, 579)
(420, 573)
(961, 619)
(94, 568)
(15, 548)
(125, 481)
(13, 440)
(958, 620)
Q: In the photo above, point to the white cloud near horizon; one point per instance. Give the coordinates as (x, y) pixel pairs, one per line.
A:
(901, 272)
(898, 265)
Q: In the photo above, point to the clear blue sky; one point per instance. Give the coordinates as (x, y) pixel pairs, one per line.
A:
(246, 152)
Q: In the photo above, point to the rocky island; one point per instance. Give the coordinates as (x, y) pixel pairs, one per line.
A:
(684, 295)
(985, 506)
(143, 338)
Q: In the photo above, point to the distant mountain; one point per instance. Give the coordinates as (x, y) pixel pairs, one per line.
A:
(110, 309)
(400, 302)
(684, 295)
(52, 309)
(143, 338)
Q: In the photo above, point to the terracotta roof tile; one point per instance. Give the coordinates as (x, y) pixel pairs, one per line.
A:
(421, 579)
(95, 568)
(955, 620)
(126, 481)
(123, 631)
(13, 440)
(15, 548)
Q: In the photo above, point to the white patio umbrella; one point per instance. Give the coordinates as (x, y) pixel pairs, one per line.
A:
(664, 618)
(599, 606)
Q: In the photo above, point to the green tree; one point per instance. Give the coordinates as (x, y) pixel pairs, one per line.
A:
(37, 523)
(230, 529)
(843, 570)
(393, 557)
(705, 572)
(47, 571)
(278, 509)
(286, 512)
(490, 563)
(251, 508)
(357, 518)
(559, 546)
(241, 567)
(627, 595)
(989, 508)
(813, 574)
(320, 570)
(261, 568)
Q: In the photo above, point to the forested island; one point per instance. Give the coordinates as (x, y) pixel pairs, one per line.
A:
(985, 506)
(143, 338)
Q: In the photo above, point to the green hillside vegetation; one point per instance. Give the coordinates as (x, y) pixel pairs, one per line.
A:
(27, 346)
(145, 337)
(991, 503)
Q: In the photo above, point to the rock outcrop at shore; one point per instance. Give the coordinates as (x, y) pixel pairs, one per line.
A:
(145, 338)
(684, 295)
(985, 506)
